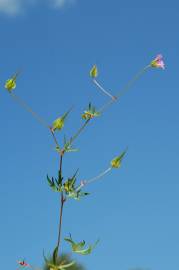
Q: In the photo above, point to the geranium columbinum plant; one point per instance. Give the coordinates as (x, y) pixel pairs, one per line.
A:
(71, 187)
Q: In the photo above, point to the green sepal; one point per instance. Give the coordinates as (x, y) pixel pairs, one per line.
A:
(58, 124)
(116, 162)
(11, 83)
(94, 72)
(69, 185)
(90, 112)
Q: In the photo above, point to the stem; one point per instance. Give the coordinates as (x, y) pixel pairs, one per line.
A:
(98, 176)
(61, 207)
(54, 138)
(34, 114)
(61, 161)
(79, 131)
(125, 88)
(60, 222)
(27, 108)
(84, 183)
(103, 90)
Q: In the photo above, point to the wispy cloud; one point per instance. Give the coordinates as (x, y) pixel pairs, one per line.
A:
(62, 3)
(11, 7)
(15, 7)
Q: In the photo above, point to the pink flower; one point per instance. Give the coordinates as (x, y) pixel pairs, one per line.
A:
(23, 263)
(158, 62)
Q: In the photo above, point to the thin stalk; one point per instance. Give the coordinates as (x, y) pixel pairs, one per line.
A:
(23, 104)
(103, 90)
(99, 176)
(125, 88)
(87, 182)
(27, 108)
(54, 138)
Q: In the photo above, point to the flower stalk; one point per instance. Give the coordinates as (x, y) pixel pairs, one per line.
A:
(104, 91)
(125, 88)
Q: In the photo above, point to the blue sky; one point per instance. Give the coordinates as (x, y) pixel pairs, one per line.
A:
(134, 210)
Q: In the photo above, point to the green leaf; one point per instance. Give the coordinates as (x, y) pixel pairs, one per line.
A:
(52, 184)
(60, 179)
(78, 247)
(78, 195)
(65, 266)
(94, 72)
(45, 258)
(55, 255)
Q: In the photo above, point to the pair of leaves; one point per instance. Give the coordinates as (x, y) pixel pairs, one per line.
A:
(55, 184)
(90, 112)
(79, 247)
(69, 186)
(67, 147)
